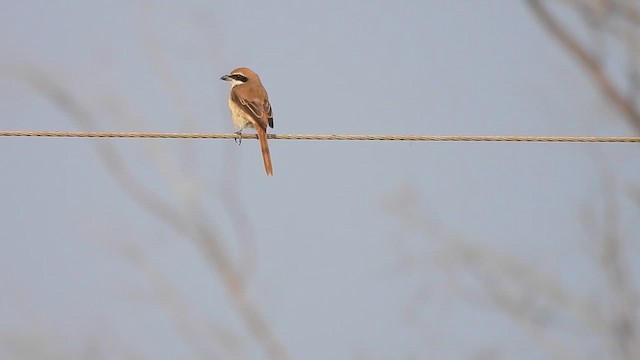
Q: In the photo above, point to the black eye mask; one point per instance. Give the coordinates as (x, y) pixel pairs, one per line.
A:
(239, 77)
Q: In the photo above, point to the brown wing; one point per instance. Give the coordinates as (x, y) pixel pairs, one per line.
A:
(260, 111)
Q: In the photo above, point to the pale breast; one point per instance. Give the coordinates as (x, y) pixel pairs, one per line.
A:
(240, 119)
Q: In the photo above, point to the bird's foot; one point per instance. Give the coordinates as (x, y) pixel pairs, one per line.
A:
(238, 139)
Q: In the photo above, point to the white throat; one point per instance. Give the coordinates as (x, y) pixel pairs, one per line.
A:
(235, 82)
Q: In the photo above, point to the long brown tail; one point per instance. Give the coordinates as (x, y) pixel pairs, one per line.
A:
(264, 147)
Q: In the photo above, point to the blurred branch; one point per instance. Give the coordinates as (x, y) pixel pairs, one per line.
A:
(529, 294)
(51, 90)
(193, 222)
(41, 339)
(614, 259)
(196, 330)
(231, 201)
(595, 68)
(624, 322)
(160, 64)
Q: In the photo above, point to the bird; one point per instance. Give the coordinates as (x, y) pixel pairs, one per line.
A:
(250, 107)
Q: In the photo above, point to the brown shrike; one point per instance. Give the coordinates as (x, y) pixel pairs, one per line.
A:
(249, 105)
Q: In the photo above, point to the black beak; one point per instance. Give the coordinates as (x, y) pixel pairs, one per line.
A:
(226, 78)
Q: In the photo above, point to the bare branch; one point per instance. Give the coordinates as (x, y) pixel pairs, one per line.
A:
(192, 222)
(533, 297)
(589, 62)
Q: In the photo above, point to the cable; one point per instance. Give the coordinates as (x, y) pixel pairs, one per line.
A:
(467, 138)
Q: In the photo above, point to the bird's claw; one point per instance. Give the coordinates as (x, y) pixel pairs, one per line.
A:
(238, 139)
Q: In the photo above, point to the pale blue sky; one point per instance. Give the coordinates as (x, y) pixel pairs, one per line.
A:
(329, 273)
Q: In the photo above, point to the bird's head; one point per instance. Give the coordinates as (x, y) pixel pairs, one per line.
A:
(241, 76)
